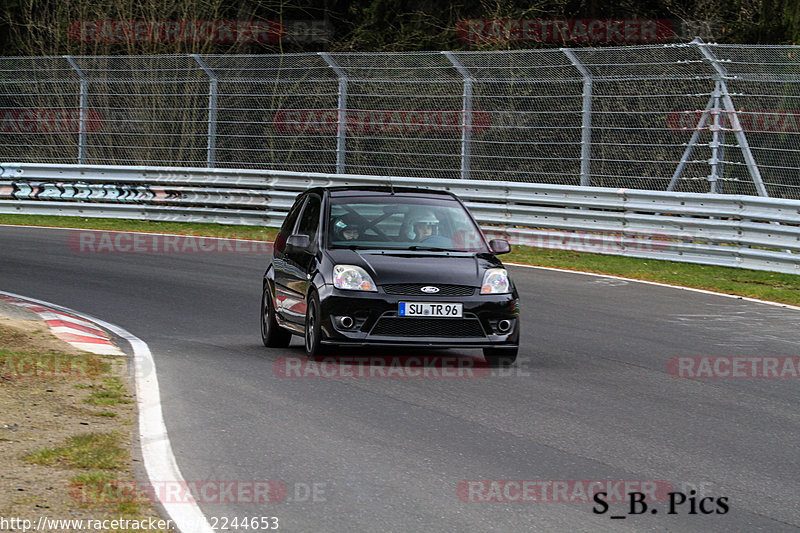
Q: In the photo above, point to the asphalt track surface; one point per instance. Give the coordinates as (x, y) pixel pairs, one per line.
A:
(590, 398)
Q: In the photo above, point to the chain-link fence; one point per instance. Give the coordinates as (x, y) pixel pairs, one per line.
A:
(688, 117)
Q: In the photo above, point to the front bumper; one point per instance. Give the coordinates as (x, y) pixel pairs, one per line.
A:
(376, 322)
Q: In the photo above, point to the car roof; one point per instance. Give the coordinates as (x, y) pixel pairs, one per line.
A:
(380, 190)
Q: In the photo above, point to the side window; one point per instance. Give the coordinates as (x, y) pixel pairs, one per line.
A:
(309, 220)
(288, 225)
(288, 222)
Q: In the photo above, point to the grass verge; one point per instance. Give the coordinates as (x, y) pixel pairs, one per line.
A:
(770, 286)
(86, 450)
(257, 233)
(67, 425)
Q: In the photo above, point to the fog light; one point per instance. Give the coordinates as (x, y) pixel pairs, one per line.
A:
(503, 326)
(345, 322)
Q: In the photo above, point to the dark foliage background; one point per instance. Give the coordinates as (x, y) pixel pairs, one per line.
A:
(40, 27)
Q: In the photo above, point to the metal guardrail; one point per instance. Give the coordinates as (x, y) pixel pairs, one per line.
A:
(728, 230)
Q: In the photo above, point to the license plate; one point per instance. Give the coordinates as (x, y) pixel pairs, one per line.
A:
(430, 309)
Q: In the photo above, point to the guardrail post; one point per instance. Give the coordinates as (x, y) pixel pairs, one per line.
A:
(84, 109)
(736, 125)
(466, 115)
(211, 150)
(586, 122)
(341, 123)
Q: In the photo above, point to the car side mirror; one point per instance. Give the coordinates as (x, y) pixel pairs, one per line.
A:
(500, 246)
(299, 241)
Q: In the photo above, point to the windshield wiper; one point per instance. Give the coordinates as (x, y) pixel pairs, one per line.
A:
(352, 247)
(428, 249)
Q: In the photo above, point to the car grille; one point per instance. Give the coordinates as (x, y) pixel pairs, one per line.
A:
(392, 326)
(414, 289)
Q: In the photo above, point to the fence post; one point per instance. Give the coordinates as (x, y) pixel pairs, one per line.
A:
(586, 122)
(466, 115)
(341, 123)
(84, 110)
(714, 177)
(211, 150)
(736, 125)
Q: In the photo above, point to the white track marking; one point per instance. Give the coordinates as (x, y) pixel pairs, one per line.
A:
(159, 460)
(702, 291)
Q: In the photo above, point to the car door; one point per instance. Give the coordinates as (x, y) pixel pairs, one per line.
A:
(299, 260)
(281, 276)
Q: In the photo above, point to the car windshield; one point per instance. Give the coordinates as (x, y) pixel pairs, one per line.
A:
(402, 223)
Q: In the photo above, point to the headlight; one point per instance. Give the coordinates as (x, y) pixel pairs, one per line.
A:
(352, 278)
(495, 281)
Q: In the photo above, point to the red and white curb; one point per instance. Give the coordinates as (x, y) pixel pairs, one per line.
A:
(80, 333)
(159, 460)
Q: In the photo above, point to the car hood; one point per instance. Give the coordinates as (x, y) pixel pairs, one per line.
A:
(387, 267)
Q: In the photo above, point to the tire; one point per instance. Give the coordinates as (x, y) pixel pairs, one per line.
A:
(272, 335)
(500, 357)
(313, 330)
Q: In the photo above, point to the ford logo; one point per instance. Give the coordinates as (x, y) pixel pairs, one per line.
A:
(430, 289)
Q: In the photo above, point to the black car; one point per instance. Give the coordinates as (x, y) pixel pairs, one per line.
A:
(361, 266)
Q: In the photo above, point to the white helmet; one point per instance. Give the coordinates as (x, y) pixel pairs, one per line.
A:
(423, 217)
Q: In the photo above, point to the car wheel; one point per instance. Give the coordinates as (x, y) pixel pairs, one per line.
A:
(313, 334)
(500, 357)
(272, 335)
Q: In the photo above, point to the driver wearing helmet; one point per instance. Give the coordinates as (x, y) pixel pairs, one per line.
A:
(424, 225)
(347, 228)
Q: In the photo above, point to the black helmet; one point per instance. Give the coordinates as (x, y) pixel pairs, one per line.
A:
(347, 222)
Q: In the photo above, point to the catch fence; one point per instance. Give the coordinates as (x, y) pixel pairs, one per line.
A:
(692, 117)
